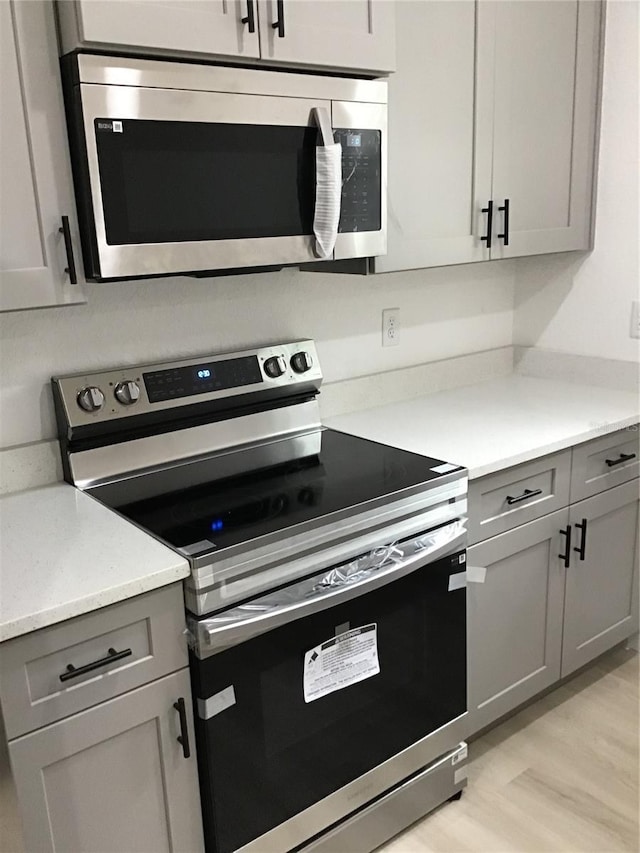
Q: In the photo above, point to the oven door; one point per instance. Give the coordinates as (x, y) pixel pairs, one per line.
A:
(187, 181)
(319, 697)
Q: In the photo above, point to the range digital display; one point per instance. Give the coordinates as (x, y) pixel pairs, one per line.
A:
(177, 382)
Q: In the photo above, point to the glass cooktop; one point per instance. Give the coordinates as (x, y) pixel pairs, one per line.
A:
(346, 472)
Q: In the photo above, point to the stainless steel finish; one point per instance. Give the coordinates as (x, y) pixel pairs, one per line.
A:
(138, 89)
(342, 583)
(247, 570)
(345, 801)
(127, 392)
(118, 71)
(68, 387)
(127, 460)
(364, 244)
(399, 808)
(275, 367)
(90, 399)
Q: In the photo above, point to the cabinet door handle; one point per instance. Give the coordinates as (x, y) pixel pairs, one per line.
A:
(250, 18)
(183, 737)
(489, 211)
(279, 24)
(74, 672)
(504, 208)
(624, 457)
(70, 269)
(583, 538)
(528, 493)
(567, 554)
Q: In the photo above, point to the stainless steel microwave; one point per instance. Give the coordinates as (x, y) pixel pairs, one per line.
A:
(182, 168)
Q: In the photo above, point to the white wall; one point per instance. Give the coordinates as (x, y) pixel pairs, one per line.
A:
(444, 312)
(581, 303)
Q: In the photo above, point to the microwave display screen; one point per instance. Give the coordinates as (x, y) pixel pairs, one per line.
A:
(171, 181)
(177, 382)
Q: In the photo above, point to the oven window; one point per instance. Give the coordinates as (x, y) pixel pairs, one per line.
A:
(271, 754)
(170, 181)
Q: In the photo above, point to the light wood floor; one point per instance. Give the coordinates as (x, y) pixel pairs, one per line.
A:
(561, 775)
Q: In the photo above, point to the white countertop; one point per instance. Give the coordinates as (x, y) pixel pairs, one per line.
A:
(495, 424)
(63, 554)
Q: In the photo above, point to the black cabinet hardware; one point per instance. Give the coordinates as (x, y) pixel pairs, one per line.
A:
(504, 208)
(567, 554)
(624, 457)
(250, 18)
(74, 672)
(279, 24)
(528, 493)
(489, 211)
(183, 737)
(68, 246)
(582, 525)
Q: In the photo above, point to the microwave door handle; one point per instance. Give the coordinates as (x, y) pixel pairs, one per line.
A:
(328, 187)
(323, 591)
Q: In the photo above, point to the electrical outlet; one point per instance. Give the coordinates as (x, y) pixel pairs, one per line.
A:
(635, 319)
(390, 327)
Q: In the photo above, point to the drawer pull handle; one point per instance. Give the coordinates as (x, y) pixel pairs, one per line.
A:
(624, 457)
(528, 493)
(582, 525)
(566, 557)
(183, 737)
(73, 672)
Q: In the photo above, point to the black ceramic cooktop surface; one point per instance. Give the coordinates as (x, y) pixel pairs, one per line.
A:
(348, 471)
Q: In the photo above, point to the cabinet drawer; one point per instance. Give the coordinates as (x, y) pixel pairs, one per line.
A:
(147, 631)
(604, 463)
(503, 500)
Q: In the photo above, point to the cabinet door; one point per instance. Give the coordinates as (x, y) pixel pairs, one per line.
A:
(547, 66)
(601, 596)
(112, 778)
(514, 618)
(346, 34)
(440, 129)
(191, 26)
(35, 174)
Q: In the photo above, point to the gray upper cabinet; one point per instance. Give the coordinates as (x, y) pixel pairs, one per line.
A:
(514, 618)
(601, 597)
(113, 778)
(491, 101)
(342, 34)
(190, 26)
(546, 95)
(350, 34)
(435, 195)
(35, 173)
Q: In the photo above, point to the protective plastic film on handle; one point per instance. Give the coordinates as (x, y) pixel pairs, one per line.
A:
(335, 585)
(328, 187)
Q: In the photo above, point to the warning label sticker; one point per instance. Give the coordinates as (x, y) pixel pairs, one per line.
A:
(341, 661)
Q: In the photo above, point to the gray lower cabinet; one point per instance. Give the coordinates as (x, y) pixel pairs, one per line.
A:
(112, 778)
(514, 618)
(602, 587)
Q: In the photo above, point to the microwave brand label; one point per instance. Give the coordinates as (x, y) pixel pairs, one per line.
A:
(341, 661)
(109, 126)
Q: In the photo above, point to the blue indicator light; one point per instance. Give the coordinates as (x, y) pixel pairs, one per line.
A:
(204, 374)
(218, 524)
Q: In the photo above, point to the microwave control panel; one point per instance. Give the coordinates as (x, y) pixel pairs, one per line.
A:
(361, 180)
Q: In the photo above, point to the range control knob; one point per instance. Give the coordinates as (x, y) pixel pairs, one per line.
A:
(301, 362)
(275, 366)
(127, 392)
(90, 399)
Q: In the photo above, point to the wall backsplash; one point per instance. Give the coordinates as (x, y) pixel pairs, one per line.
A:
(443, 312)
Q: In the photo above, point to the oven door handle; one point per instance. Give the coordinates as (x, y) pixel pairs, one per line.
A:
(328, 187)
(332, 587)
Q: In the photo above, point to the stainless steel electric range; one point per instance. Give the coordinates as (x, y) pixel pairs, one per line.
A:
(327, 629)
